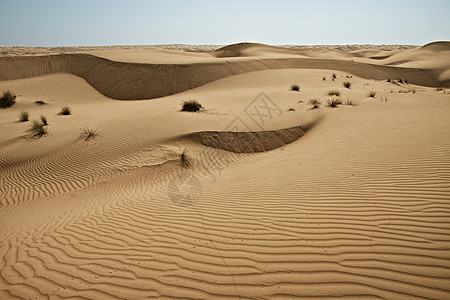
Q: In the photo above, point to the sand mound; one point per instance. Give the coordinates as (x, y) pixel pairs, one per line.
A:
(437, 46)
(235, 50)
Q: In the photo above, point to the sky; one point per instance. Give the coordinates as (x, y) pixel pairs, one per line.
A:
(51, 23)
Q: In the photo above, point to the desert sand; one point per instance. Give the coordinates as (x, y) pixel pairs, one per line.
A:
(278, 201)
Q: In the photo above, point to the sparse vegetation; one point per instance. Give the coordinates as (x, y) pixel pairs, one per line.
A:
(408, 90)
(23, 116)
(371, 94)
(324, 78)
(291, 109)
(185, 161)
(44, 120)
(350, 102)
(8, 99)
(334, 102)
(295, 87)
(333, 76)
(65, 111)
(191, 105)
(334, 93)
(315, 102)
(388, 80)
(40, 102)
(38, 129)
(439, 89)
(89, 133)
(347, 84)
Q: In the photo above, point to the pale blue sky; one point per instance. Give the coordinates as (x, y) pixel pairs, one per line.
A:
(140, 22)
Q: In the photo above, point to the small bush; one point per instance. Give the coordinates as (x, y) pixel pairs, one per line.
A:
(291, 109)
(315, 102)
(334, 102)
(38, 129)
(8, 99)
(408, 90)
(44, 120)
(371, 94)
(40, 102)
(351, 102)
(23, 116)
(191, 105)
(185, 161)
(333, 76)
(347, 84)
(324, 78)
(295, 87)
(388, 80)
(334, 93)
(65, 111)
(89, 133)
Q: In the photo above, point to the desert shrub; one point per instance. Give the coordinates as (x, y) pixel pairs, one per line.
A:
(334, 93)
(65, 111)
(388, 80)
(334, 102)
(185, 160)
(8, 99)
(324, 78)
(191, 105)
(44, 120)
(37, 128)
(409, 90)
(315, 102)
(291, 109)
(350, 102)
(347, 84)
(89, 133)
(23, 116)
(371, 94)
(295, 87)
(333, 76)
(40, 102)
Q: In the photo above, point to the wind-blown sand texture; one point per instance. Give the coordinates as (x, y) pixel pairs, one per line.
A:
(350, 202)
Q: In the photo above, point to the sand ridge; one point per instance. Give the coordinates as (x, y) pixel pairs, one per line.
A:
(145, 81)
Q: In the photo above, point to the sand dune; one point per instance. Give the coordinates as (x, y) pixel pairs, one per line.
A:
(357, 206)
(145, 81)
